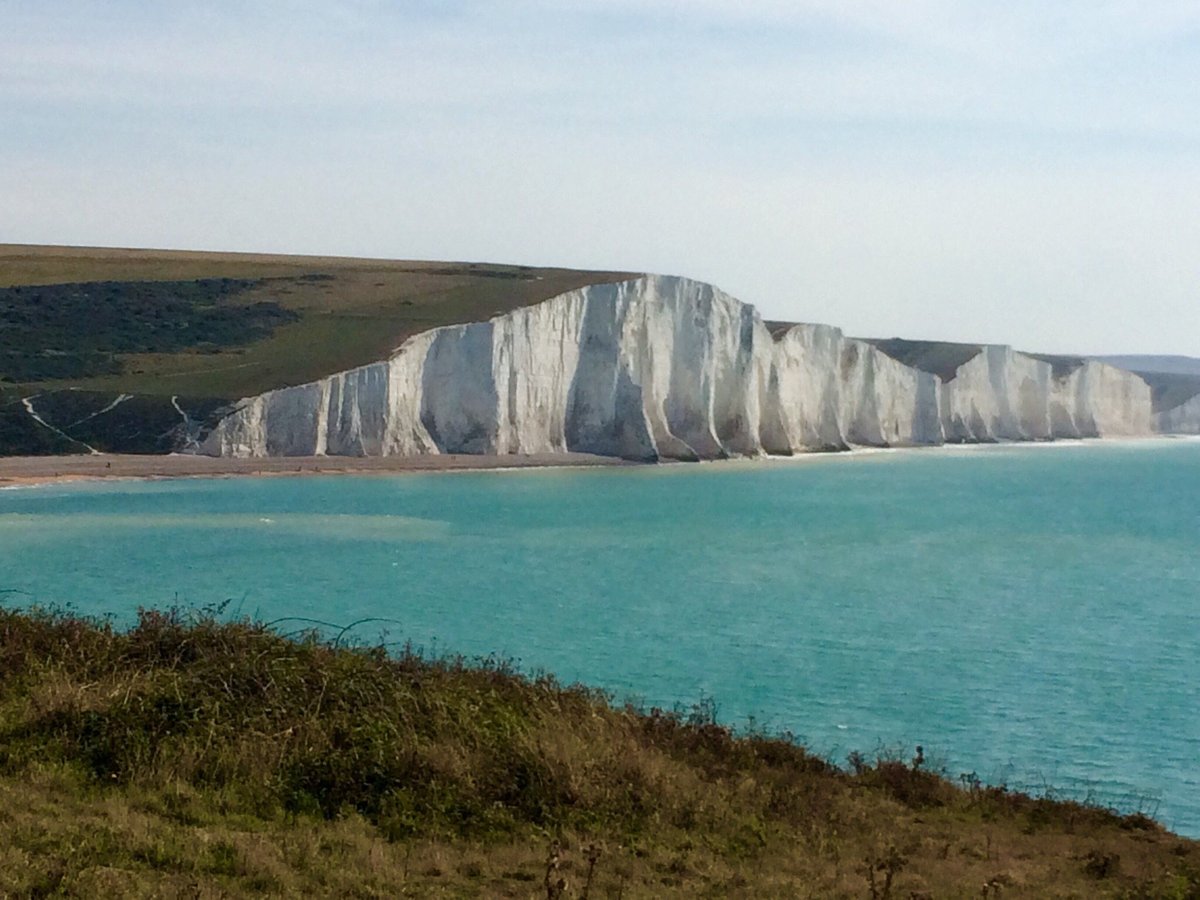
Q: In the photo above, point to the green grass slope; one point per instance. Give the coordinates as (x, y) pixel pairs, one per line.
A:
(80, 327)
(190, 757)
(1171, 389)
(244, 323)
(941, 358)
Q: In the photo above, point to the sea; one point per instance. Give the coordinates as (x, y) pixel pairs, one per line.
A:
(1028, 614)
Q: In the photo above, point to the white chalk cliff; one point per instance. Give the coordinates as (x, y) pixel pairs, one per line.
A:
(667, 368)
(1004, 395)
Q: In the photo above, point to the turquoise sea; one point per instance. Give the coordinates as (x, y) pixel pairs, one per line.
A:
(1030, 614)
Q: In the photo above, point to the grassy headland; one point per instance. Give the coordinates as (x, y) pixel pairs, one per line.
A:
(230, 325)
(141, 351)
(191, 757)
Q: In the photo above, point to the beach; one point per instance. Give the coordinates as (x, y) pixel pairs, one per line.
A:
(18, 471)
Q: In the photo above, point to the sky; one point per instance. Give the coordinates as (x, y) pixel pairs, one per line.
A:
(1018, 171)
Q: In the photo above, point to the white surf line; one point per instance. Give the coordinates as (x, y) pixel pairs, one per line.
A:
(120, 399)
(27, 402)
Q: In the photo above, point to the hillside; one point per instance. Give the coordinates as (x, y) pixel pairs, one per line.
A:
(944, 359)
(146, 352)
(1167, 365)
(940, 358)
(81, 328)
(191, 756)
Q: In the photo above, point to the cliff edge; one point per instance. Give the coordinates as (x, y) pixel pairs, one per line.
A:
(668, 368)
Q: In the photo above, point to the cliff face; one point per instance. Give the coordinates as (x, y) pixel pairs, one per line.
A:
(667, 368)
(1003, 395)
(1182, 419)
(1176, 396)
(1114, 402)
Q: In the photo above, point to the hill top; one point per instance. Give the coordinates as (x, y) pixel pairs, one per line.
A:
(229, 325)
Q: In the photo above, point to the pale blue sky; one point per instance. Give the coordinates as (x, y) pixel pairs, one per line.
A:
(1022, 172)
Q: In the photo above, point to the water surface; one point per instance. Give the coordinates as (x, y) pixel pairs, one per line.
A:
(1026, 613)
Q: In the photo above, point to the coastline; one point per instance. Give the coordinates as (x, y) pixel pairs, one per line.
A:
(31, 471)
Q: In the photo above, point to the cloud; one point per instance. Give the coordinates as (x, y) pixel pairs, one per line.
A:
(654, 64)
(938, 168)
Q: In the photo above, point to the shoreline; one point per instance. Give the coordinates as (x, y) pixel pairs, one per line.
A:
(33, 471)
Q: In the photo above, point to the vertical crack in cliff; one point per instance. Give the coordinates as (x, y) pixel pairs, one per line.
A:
(664, 367)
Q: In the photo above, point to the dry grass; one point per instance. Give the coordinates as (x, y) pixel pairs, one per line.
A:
(187, 757)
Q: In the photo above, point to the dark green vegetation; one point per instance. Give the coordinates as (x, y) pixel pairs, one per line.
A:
(1173, 380)
(338, 313)
(188, 756)
(65, 331)
(1171, 389)
(1062, 366)
(1162, 364)
(90, 420)
(20, 435)
(943, 358)
(209, 329)
(939, 357)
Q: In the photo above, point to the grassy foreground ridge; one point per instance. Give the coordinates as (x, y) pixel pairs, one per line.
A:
(192, 757)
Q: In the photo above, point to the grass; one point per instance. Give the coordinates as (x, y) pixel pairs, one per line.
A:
(941, 358)
(191, 757)
(20, 437)
(191, 333)
(1061, 366)
(64, 331)
(1170, 389)
(292, 319)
